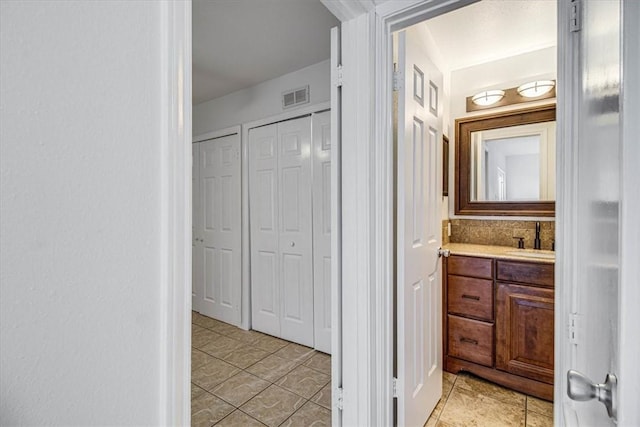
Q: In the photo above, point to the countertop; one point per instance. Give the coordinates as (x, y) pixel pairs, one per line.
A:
(502, 252)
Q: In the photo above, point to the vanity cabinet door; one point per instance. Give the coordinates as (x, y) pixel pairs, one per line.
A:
(524, 331)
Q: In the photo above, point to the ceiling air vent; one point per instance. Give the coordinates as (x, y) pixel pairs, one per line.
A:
(295, 97)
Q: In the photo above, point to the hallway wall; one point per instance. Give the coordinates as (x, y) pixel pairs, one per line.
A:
(261, 101)
(80, 213)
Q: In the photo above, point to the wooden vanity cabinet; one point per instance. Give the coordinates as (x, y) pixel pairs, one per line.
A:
(499, 321)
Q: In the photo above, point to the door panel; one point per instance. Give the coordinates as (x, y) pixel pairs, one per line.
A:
(294, 139)
(265, 229)
(321, 130)
(220, 228)
(196, 247)
(594, 223)
(418, 293)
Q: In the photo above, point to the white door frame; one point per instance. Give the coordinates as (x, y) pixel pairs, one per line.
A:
(367, 198)
(174, 307)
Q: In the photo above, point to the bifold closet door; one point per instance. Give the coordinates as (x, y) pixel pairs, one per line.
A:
(219, 229)
(321, 129)
(281, 230)
(196, 248)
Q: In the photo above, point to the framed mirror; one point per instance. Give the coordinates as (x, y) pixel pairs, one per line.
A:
(505, 163)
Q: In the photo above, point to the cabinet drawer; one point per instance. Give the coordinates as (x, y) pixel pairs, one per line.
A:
(470, 266)
(470, 340)
(526, 272)
(470, 297)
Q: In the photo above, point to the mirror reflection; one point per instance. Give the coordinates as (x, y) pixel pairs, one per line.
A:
(513, 164)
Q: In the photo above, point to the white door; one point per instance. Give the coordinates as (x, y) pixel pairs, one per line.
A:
(280, 218)
(597, 246)
(196, 246)
(321, 148)
(419, 307)
(220, 228)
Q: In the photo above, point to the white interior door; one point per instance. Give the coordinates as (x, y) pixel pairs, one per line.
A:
(220, 228)
(294, 143)
(265, 228)
(281, 230)
(196, 246)
(321, 139)
(593, 227)
(419, 307)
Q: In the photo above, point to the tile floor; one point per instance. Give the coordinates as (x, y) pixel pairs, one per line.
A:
(245, 378)
(470, 401)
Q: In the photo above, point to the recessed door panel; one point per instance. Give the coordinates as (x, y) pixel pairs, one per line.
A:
(291, 199)
(211, 272)
(291, 284)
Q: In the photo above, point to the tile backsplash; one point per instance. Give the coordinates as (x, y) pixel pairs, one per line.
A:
(498, 232)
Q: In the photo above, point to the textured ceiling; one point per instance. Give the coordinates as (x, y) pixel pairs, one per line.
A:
(240, 43)
(493, 29)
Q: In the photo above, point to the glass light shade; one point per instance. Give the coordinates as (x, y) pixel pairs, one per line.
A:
(488, 97)
(535, 89)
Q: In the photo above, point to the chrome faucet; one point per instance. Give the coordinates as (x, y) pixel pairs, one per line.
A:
(536, 241)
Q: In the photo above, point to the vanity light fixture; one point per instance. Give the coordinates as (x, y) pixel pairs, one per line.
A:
(488, 97)
(536, 89)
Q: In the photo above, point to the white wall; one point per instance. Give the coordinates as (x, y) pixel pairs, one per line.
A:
(80, 221)
(261, 101)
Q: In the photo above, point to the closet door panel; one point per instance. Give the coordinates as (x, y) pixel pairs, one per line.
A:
(196, 247)
(321, 150)
(220, 194)
(263, 218)
(294, 143)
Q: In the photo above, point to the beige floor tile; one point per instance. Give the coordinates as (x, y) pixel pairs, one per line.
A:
(239, 419)
(269, 343)
(323, 397)
(539, 406)
(273, 405)
(196, 391)
(295, 352)
(207, 410)
(200, 336)
(272, 368)
(435, 414)
(304, 381)
(213, 373)
(240, 388)
(320, 362)
(466, 408)
(223, 328)
(245, 356)
(311, 415)
(243, 336)
(209, 323)
(538, 420)
(486, 388)
(199, 358)
(221, 346)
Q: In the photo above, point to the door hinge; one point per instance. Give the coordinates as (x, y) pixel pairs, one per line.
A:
(397, 81)
(339, 398)
(338, 79)
(574, 329)
(575, 16)
(394, 388)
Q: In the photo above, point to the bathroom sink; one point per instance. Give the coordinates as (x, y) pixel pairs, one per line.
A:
(532, 253)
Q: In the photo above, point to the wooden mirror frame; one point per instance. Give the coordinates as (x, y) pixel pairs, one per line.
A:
(463, 203)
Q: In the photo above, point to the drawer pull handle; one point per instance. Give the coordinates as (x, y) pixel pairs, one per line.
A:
(473, 297)
(469, 340)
